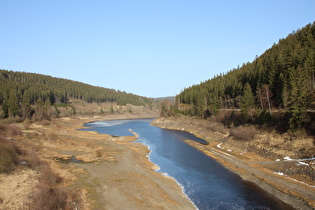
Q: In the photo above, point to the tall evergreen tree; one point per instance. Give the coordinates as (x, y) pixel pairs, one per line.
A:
(299, 98)
(248, 101)
(13, 104)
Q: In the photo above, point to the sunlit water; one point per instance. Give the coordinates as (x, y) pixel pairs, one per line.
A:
(207, 183)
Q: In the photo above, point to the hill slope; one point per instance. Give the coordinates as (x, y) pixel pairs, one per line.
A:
(282, 77)
(19, 91)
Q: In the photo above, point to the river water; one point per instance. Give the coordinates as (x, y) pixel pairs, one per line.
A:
(207, 184)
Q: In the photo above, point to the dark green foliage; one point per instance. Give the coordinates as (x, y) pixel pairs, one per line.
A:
(248, 100)
(20, 91)
(299, 98)
(282, 77)
(13, 104)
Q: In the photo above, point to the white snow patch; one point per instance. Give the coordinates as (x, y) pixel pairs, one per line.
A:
(302, 163)
(301, 182)
(287, 158)
(279, 173)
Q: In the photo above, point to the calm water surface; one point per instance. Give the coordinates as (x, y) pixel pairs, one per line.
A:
(207, 183)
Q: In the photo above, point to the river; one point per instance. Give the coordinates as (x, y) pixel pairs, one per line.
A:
(207, 183)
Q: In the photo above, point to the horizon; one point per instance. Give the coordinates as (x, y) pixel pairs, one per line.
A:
(151, 49)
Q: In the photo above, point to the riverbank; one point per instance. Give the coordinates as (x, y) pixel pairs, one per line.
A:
(107, 172)
(239, 157)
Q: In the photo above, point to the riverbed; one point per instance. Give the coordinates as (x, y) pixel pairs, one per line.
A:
(207, 184)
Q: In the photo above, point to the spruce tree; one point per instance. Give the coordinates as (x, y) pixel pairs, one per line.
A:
(299, 98)
(248, 101)
(13, 104)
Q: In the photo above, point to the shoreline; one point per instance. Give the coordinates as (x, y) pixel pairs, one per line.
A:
(166, 175)
(129, 179)
(298, 195)
(155, 167)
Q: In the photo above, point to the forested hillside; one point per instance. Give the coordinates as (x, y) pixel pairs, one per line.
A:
(20, 91)
(281, 78)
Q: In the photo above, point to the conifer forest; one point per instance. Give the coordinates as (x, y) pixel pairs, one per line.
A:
(282, 80)
(23, 94)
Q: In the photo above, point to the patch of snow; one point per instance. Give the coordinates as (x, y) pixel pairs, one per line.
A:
(282, 174)
(301, 182)
(302, 163)
(279, 173)
(219, 145)
(287, 158)
(226, 154)
(243, 152)
(277, 159)
(229, 150)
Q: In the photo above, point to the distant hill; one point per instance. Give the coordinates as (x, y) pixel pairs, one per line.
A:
(171, 99)
(283, 77)
(20, 91)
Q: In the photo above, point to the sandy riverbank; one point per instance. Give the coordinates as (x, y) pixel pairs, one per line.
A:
(115, 172)
(249, 165)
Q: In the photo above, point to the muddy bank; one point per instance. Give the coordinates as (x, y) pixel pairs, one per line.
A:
(238, 157)
(108, 172)
(115, 172)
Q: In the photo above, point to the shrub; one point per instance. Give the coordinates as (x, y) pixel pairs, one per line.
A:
(48, 176)
(99, 153)
(13, 130)
(44, 122)
(46, 198)
(49, 193)
(8, 157)
(245, 133)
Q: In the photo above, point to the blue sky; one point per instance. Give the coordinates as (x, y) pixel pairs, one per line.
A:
(150, 48)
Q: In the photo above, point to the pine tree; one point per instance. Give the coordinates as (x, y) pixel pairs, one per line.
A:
(248, 101)
(299, 98)
(26, 104)
(13, 104)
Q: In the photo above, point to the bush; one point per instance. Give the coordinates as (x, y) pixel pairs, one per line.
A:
(49, 194)
(46, 198)
(245, 133)
(99, 153)
(13, 130)
(8, 157)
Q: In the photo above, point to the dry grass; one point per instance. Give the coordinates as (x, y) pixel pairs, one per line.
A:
(9, 153)
(99, 153)
(13, 130)
(50, 192)
(245, 133)
(46, 198)
(44, 122)
(8, 156)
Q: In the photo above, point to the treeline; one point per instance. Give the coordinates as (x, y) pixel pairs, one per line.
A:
(281, 78)
(19, 91)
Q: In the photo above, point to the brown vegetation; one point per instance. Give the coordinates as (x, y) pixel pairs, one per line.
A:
(19, 154)
(245, 133)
